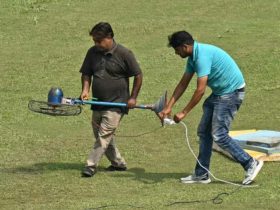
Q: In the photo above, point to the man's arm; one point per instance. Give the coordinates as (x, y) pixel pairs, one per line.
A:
(197, 95)
(86, 82)
(179, 90)
(137, 83)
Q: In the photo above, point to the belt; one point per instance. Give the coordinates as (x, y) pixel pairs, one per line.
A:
(241, 89)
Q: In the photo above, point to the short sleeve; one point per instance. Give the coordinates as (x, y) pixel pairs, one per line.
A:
(203, 66)
(133, 67)
(86, 66)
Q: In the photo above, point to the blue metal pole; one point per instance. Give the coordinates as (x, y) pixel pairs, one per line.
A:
(103, 103)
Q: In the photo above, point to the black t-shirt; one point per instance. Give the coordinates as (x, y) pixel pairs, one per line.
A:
(110, 74)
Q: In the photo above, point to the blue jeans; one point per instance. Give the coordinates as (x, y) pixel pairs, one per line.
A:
(218, 113)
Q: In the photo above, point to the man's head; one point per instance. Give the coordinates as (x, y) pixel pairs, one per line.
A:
(182, 42)
(102, 35)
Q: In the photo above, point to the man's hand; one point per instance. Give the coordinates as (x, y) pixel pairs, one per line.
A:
(166, 112)
(179, 116)
(84, 96)
(131, 103)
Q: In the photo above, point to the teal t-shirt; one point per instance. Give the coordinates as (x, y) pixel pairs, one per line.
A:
(224, 76)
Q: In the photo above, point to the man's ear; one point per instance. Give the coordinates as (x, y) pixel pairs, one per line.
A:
(185, 47)
(188, 48)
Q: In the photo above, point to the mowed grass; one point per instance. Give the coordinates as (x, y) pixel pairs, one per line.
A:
(43, 43)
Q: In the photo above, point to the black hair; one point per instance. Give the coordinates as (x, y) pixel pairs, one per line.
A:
(102, 30)
(180, 38)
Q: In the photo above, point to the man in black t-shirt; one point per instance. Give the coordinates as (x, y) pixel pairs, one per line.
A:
(107, 68)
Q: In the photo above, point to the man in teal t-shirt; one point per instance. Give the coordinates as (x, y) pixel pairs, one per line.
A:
(223, 74)
(216, 69)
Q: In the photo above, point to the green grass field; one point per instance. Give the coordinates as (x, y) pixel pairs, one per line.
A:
(43, 43)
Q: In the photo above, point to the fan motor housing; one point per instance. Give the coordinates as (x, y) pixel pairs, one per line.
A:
(55, 95)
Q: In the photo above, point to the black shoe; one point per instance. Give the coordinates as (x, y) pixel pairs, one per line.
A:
(88, 171)
(114, 168)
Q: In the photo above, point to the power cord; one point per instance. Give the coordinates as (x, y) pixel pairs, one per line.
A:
(216, 200)
(108, 206)
(126, 136)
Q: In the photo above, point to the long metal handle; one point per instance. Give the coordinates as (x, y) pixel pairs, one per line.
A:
(104, 103)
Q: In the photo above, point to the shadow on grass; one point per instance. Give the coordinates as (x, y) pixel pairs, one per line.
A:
(140, 174)
(39, 168)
